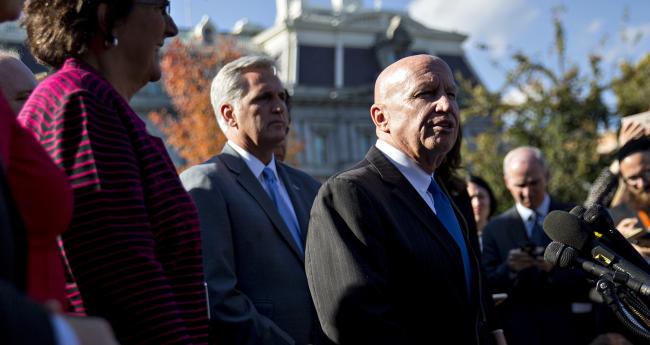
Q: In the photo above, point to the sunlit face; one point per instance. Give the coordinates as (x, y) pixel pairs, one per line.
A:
(10, 9)
(635, 172)
(526, 180)
(422, 109)
(261, 115)
(141, 35)
(480, 202)
(16, 82)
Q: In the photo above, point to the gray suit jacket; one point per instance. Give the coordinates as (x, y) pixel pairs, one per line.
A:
(257, 287)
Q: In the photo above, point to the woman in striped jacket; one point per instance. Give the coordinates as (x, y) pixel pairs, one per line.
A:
(134, 242)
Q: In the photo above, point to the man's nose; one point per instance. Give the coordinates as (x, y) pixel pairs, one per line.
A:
(443, 104)
(279, 106)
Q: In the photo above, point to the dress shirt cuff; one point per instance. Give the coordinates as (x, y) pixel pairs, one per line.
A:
(63, 333)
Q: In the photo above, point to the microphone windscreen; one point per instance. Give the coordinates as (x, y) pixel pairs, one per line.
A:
(552, 252)
(568, 257)
(560, 255)
(597, 215)
(578, 211)
(566, 228)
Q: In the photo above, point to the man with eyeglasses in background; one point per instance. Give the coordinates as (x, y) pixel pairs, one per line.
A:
(633, 217)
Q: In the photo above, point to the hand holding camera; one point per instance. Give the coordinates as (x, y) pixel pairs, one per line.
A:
(526, 256)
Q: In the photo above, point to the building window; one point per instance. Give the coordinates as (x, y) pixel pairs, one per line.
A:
(316, 66)
(365, 139)
(361, 67)
(319, 145)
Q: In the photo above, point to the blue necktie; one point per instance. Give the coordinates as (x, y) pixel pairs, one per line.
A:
(445, 213)
(537, 236)
(283, 208)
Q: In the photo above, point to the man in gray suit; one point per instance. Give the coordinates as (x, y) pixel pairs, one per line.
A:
(254, 212)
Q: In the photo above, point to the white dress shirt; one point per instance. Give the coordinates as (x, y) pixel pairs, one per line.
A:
(417, 177)
(527, 214)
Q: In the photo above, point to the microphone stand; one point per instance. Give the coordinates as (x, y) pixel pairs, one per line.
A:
(632, 313)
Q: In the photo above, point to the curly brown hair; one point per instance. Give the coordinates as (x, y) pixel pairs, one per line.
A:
(58, 29)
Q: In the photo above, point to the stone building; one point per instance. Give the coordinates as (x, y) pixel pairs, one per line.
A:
(329, 58)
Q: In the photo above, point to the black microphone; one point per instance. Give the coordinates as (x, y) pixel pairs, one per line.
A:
(570, 230)
(561, 255)
(578, 211)
(602, 225)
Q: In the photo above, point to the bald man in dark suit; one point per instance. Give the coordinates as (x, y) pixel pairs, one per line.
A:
(389, 255)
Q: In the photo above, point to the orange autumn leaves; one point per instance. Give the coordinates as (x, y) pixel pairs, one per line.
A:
(188, 70)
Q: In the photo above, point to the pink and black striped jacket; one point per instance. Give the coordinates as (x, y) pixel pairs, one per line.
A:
(134, 244)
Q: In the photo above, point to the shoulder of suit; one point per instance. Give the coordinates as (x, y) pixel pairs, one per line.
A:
(201, 171)
(359, 179)
(362, 171)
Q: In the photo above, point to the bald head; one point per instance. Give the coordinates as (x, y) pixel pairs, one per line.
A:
(400, 72)
(16, 81)
(415, 109)
(526, 175)
(524, 155)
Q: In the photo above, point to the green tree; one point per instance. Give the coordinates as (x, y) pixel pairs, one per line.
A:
(632, 88)
(188, 70)
(559, 110)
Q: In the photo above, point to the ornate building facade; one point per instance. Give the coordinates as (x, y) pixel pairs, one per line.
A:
(329, 59)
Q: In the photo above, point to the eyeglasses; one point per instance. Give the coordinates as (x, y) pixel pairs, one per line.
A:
(165, 6)
(635, 179)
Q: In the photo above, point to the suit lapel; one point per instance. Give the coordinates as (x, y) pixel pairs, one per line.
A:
(252, 185)
(414, 203)
(517, 230)
(403, 190)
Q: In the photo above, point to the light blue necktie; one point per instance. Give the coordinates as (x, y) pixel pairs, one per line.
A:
(447, 217)
(283, 208)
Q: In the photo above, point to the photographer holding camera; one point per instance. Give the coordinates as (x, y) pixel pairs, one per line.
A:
(541, 306)
(631, 216)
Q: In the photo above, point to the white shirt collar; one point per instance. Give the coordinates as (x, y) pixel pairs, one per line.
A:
(254, 164)
(525, 213)
(417, 177)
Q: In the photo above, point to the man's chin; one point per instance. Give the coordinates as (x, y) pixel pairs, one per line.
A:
(274, 140)
(641, 200)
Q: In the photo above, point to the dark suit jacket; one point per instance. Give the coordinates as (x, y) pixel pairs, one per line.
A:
(622, 211)
(381, 267)
(538, 308)
(22, 322)
(257, 288)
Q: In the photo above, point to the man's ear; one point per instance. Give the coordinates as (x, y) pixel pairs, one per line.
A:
(228, 114)
(379, 118)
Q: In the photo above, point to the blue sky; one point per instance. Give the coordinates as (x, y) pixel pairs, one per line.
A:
(506, 26)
